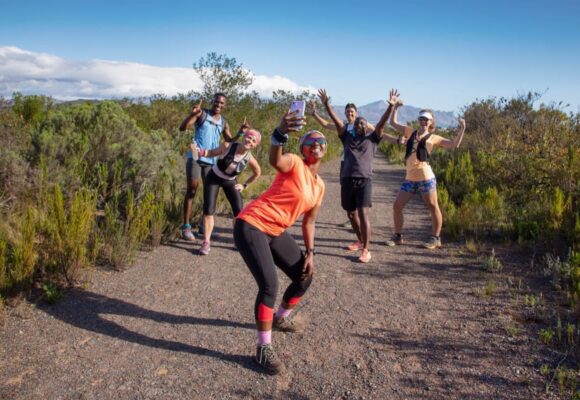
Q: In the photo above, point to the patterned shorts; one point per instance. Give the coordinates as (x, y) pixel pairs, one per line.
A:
(428, 186)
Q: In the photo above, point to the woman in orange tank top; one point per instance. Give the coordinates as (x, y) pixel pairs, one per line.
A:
(260, 234)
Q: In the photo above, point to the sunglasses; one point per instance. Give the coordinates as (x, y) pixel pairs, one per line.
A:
(423, 119)
(309, 141)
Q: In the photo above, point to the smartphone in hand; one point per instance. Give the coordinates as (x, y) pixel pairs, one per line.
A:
(298, 105)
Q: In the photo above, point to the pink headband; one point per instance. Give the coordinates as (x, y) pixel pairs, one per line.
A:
(255, 134)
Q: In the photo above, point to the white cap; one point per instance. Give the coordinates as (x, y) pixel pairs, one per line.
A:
(426, 114)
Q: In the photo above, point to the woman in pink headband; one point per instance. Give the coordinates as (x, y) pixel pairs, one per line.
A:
(233, 157)
(420, 177)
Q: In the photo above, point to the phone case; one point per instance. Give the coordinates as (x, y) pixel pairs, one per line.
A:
(299, 105)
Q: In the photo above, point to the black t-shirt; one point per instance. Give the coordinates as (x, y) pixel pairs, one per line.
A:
(359, 151)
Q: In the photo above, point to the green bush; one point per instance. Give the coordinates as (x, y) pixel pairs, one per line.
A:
(483, 213)
(67, 231)
(22, 260)
(121, 234)
(459, 177)
(452, 225)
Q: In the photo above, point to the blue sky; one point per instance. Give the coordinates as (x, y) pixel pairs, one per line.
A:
(441, 55)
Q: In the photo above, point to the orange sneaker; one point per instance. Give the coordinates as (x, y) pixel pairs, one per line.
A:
(356, 246)
(365, 257)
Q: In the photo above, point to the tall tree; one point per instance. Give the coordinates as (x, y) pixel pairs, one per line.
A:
(220, 73)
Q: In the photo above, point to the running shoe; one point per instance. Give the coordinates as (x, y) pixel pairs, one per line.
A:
(205, 248)
(395, 240)
(267, 359)
(433, 243)
(365, 257)
(287, 325)
(186, 233)
(356, 246)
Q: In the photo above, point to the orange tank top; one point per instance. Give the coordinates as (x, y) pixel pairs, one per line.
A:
(292, 194)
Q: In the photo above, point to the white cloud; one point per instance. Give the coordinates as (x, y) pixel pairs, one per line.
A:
(39, 73)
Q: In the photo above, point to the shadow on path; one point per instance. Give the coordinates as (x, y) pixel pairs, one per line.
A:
(85, 310)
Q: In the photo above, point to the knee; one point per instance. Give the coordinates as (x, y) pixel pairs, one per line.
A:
(190, 193)
(351, 214)
(268, 292)
(433, 206)
(397, 207)
(305, 284)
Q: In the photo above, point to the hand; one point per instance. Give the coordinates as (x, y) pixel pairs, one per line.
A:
(311, 107)
(245, 126)
(239, 187)
(402, 140)
(393, 97)
(196, 110)
(291, 122)
(461, 122)
(194, 148)
(308, 268)
(323, 96)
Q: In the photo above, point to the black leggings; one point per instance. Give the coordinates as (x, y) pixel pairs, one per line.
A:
(210, 191)
(262, 253)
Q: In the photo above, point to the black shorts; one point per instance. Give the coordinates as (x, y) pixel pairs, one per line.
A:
(356, 193)
(196, 170)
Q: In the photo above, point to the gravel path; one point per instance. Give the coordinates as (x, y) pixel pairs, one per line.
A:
(412, 324)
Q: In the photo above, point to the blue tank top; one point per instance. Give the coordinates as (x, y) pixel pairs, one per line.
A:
(208, 135)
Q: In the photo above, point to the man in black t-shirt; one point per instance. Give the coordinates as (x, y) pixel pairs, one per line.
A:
(356, 188)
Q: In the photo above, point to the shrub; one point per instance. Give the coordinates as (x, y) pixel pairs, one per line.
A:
(459, 177)
(67, 233)
(483, 213)
(123, 233)
(22, 259)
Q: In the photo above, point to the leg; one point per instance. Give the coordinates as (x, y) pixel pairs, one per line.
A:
(193, 180)
(289, 258)
(363, 200)
(254, 248)
(354, 219)
(365, 225)
(402, 199)
(204, 171)
(348, 204)
(430, 199)
(192, 173)
(234, 196)
(210, 192)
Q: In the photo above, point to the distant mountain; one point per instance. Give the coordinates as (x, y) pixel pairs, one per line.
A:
(373, 112)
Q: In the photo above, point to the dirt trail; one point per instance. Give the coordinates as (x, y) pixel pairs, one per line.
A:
(412, 324)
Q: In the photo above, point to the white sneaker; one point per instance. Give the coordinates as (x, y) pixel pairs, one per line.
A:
(186, 233)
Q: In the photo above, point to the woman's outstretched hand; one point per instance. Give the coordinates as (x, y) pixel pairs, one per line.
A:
(291, 122)
(323, 96)
(394, 97)
(245, 126)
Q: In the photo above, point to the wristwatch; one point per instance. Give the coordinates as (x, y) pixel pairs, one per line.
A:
(312, 250)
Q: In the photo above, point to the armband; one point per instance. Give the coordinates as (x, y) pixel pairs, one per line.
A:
(279, 138)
